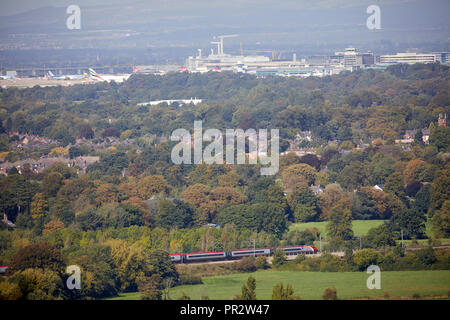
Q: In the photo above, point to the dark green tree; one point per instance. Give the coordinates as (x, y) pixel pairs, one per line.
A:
(279, 258)
(39, 255)
(339, 223)
(248, 289)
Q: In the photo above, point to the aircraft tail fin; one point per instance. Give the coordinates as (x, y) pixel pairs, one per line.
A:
(94, 74)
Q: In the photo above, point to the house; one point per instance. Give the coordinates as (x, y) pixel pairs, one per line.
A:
(304, 135)
(442, 121)
(378, 187)
(7, 222)
(212, 225)
(425, 135)
(316, 189)
(410, 134)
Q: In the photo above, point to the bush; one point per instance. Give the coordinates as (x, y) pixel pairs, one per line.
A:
(151, 293)
(37, 284)
(366, 257)
(426, 256)
(330, 294)
(184, 296)
(261, 263)
(436, 242)
(398, 251)
(331, 263)
(9, 291)
(151, 288)
(246, 264)
(281, 293)
(299, 259)
(189, 279)
(309, 265)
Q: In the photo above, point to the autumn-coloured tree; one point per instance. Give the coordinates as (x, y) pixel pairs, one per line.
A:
(106, 193)
(378, 204)
(40, 255)
(52, 226)
(152, 185)
(39, 206)
(413, 169)
(230, 179)
(329, 198)
(288, 159)
(298, 174)
(196, 194)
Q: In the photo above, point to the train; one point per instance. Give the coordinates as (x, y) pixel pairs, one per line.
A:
(238, 254)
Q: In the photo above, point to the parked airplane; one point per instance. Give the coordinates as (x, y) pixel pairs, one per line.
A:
(7, 77)
(184, 69)
(50, 75)
(199, 69)
(119, 78)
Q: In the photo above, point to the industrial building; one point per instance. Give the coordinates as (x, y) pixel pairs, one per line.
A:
(412, 57)
(260, 65)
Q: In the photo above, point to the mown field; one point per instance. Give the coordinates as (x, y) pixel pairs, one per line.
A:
(310, 285)
(360, 227)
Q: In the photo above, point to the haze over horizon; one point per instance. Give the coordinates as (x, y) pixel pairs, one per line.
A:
(181, 27)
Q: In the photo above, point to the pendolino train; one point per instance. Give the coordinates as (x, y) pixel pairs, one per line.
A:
(237, 254)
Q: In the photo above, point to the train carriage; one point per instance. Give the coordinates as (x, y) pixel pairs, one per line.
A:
(299, 249)
(238, 254)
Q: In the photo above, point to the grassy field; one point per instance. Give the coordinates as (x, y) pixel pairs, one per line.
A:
(310, 285)
(360, 227)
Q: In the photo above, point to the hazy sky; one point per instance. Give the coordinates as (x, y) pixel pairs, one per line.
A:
(9, 7)
(194, 23)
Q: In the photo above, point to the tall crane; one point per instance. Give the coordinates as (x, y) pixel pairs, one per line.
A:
(218, 46)
(220, 43)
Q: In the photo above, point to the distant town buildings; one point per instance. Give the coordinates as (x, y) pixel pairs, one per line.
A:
(353, 59)
(412, 57)
(30, 141)
(39, 165)
(180, 102)
(410, 135)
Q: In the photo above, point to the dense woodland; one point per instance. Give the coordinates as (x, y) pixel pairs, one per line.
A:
(120, 220)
